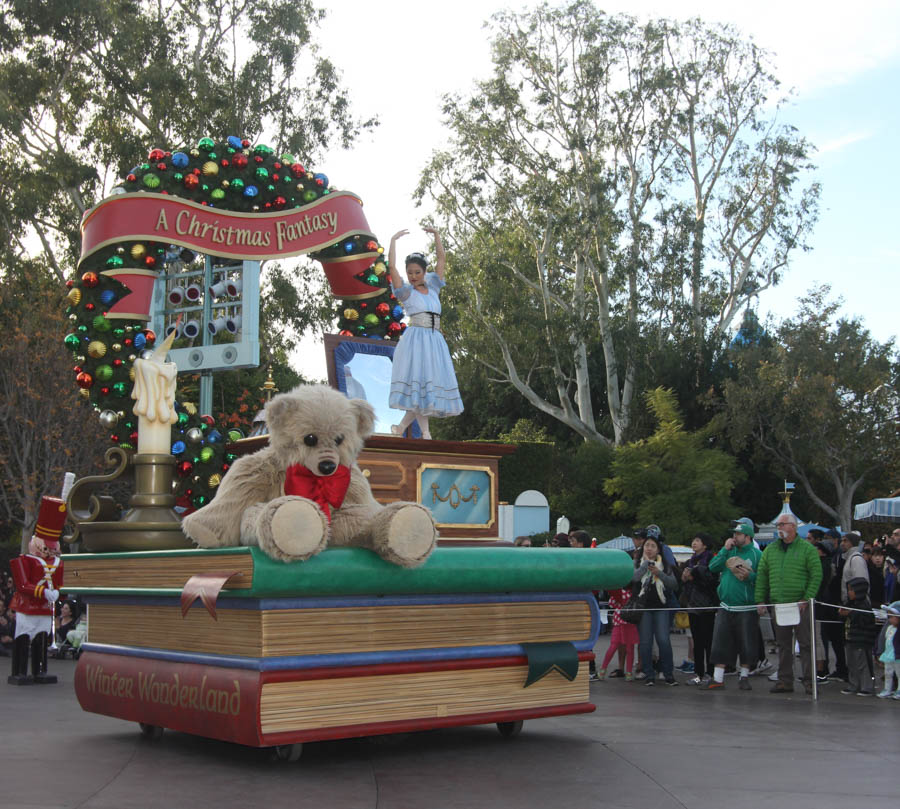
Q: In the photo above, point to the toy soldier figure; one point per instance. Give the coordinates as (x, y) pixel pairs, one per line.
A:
(38, 575)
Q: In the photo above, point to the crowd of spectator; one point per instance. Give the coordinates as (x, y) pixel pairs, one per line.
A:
(734, 590)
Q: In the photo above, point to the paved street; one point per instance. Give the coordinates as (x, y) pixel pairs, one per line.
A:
(661, 747)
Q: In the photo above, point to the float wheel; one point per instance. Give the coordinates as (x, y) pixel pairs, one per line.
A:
(152, 732)
(287, 752)
(509, 730)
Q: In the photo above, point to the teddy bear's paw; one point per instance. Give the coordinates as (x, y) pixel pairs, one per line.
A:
(410, 537)
(297, 529)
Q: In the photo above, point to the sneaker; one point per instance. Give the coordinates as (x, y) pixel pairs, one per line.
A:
(628, 677)
(773, 678)
(864, 693)
(593, 676)
(687, 666)
(650, 682)
(835, 675)
(695, 681)
(671, 681)
(761, 667)
(848, 690)
(821, 679)
(639, 676)
(884, 694)
(600, 674)
(744, 684)
(896, 694)
(713, 685)
(616, 673)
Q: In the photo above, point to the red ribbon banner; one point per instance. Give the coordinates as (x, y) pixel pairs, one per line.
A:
(213, 231)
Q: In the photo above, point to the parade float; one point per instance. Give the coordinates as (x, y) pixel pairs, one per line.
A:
(230, 643)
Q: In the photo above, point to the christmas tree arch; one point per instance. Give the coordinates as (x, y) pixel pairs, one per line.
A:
(227, 198)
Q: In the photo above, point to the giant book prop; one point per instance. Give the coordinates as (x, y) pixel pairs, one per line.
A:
(341, 645)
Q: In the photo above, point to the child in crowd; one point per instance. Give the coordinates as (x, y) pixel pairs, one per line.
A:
(887, 647)
(859, 634)
(624, 634)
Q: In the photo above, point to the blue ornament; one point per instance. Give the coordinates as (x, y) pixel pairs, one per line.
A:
(214, 436)
(251, 191)
(234, 142)
(139, 341)
(321, 180)
(348, 247)
(178, 447)
(397, 312)
(180, 160)
(107, 297)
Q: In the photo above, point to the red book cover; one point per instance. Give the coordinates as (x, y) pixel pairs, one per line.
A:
(220, 703)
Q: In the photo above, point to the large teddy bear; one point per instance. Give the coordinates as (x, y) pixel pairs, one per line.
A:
(304, 491)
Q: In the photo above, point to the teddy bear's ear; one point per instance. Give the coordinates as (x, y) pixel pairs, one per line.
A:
(365, 417)
(274, 410)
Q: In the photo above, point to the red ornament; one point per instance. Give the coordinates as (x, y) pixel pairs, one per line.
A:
(364, 306)
(184, 468)
(239, 161)
(84, 380)
(89, 307)
(150, 261)
(114, 437)
(197, 172)
(277, 165)
(161, 166)
(191, 181)
(298, 171)
(258, 159)
(133, 437)
(371, 245)
(150, 336)
(90, 279)
(280, 202)
(382, 309)
(226, 467)
(104, 391)
(276, 178)
(209, 421)
(224, 163)
(156, 154)
(77, 370)
(394, 328)
(128, 341)
(70, 283)
(245, 143)
(345, 333)
(131, 178)
(117, 362)
(267, 205)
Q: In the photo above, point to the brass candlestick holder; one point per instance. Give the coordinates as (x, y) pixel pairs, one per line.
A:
(150, 523)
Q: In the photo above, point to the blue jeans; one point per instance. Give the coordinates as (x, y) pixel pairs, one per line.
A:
(655, 624)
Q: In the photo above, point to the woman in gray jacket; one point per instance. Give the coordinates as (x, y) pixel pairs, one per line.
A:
(653, 582)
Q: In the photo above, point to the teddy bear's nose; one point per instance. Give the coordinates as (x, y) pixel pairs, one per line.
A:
(327, 467)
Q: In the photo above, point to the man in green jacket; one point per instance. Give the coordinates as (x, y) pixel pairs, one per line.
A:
(736, 627)
(789, 571)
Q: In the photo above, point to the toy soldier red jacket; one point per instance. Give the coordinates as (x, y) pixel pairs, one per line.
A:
(32, 575)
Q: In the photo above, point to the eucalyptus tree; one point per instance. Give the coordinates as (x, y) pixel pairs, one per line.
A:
(569, 197)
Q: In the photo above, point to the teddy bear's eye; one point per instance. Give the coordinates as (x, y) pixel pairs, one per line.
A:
(338, 440)
(310, 440)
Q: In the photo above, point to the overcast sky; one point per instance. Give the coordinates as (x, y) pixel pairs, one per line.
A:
(843, 62)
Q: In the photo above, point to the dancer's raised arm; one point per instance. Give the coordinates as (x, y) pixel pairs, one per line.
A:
(440, 261)
(396, 278)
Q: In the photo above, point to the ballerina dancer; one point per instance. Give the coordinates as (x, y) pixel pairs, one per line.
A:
(423, 382)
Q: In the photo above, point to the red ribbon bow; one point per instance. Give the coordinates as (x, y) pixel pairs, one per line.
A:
(327, 491)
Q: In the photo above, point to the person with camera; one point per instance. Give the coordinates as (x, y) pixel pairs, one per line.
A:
(737, 624)
(654, 582)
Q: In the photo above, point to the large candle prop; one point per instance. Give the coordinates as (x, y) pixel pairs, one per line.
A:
(154, 392)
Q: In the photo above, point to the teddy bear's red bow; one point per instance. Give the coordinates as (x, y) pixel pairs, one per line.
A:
(326, 491)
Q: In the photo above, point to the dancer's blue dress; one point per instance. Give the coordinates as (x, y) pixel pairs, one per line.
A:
(423, 378)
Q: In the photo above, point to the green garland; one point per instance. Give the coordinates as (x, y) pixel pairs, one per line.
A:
(235, 176)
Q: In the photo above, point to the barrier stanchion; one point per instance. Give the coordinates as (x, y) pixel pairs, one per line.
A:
(812, 649)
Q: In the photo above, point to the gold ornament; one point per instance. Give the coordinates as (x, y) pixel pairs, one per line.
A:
(225, 184)
(96, 349)
(73, 317)
(210, 168)
(120, 250)
(79, 358)
(131, 373)
(132, 357)
(117, 347)
(129, 329)
(138, 251)
(214, 480)
(379, 268)
(84, 393)
(351, 314)
(74, 296)
(190, 408)
(195, 153)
